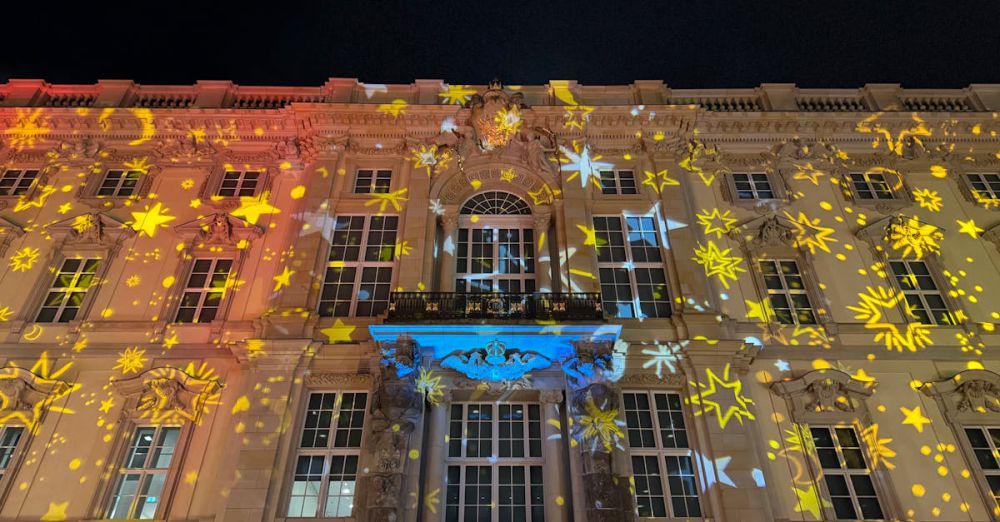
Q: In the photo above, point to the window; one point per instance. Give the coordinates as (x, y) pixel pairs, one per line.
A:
(119, 183)
(633, 282)
(143, 473)
(370, 181)
(985, 442)
(786, 292)
(495, 203)
(69, 288)
(618, 182)
(205, 288)
(985, 186)
(239, 184)
(17, 182)
(326, 465)
(871, 185)
(504, 257)
(846, 473)
(359, 270)
(494, 463)
(658, 441)
(753, 185)
(9, 437)
(923, 299)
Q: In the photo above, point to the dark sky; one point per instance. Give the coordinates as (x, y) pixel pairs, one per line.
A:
(706, 43)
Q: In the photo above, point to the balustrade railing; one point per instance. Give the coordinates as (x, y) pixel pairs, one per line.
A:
(445, 306)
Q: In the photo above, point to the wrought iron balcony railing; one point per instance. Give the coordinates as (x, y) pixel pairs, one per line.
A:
(444, 306)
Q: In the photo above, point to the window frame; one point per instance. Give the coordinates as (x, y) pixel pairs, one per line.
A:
(894, 181)
(616, 179)
(496, 224)
(982, 476)
(115, 482)
(359, 265)
(919, 293)
(631, 267)
(241, 179)
(82, 310)
(204, 291)
(493, 460)
(661, 453)
(8, 473)
(821, 472)
(35, 181)
(373, 182)
(787, 291)
(327, 453)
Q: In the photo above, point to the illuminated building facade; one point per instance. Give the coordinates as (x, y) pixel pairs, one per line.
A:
(490, 303)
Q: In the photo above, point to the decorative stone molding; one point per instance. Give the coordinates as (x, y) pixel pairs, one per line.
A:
(93, 229)
(650, 380)
(168, 395)
(186, 151)
(992, 235)
(764, 232)
(495, 362)
(969, 397)
(219, 229)
(495, 388)
(550, 396)
(25, 396)
(824, 396)
(8, 232)
(340, 381)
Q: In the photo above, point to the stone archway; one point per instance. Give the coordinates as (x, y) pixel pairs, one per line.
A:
(459, 185)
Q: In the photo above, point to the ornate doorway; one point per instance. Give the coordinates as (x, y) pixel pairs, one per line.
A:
(496, 245)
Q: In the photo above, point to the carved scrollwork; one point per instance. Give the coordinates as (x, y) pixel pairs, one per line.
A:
(169, 395)
(26, 396)
(219, 229)
(824, 395)
(92, 229)
(967, 396)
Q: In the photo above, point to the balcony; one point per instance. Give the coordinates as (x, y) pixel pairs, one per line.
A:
(452, 306)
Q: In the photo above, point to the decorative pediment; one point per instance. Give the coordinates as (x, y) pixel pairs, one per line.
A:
(968, 395)
(823, 393)
(798, 159)
(169, 395)
(26, 396)
(495, 362)
(906, 236)
(95, 229)
(764, 232)
(8, 232)
(219, 229)
(185, 150)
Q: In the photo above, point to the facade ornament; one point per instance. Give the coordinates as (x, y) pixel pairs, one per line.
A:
(395, 409)
(84, 148)
(968, 397)
(340, 380)
(92, 229)
(26, 396)
(761, 233)
(495, 388)
(540, 150)
(219, 229)
(992, 235)
(8, 232)
(823, 394)
(169, 395)
(495, 362)
(185, 150)
(550, 396)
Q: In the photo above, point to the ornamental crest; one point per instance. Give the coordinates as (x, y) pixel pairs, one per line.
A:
(495, 362)
(495, 116)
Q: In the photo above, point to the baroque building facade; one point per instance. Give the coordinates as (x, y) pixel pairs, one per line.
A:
(466, 303)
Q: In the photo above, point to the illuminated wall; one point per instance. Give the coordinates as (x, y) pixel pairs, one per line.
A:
(801, 282)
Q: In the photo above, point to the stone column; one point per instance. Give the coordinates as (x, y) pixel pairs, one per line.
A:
(543, 261)
(449, 247)
(606, 496)
(554, 471)
(395, 413)
(437, 451)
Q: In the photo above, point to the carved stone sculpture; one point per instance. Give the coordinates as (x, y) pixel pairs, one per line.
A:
(828, 395)
(979, 396)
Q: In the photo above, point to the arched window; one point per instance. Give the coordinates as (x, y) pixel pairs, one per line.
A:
(496, 203)
(496, 245)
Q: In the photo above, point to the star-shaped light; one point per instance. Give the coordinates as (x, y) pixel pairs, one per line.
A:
(928, 199)
(915, 237)
(106, 405)
(590, 235)
(659, 180)
(716, 222)
(456, 94)
(969, 227)
(251, 209)
(56, 512)
(809, 500)
(131, 360)
(383, 200)
(664, 356)
(807, 172)
(718, 262)
(740, 404)
(339, 332)
(782, 365)
(577, 116)
(914, 418)
(44, 192)
(715, 471)
(579, 161)
(148, 221)
(809, 234)
(283, 279)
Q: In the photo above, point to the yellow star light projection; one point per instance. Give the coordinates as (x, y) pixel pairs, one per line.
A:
(723, 396)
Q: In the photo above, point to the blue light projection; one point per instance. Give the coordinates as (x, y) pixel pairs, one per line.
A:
(495, 362)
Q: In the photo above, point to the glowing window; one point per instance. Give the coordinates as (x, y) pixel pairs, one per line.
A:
(360, 265)
(753, 185)
(68, 290)
(786, 291)
(923, 299)
(985, 186)
(618, 182)
(143, 473)
(658, 442)
(370, 181)
(871, 185)
(17, 182)
(205, 288)
(985, 443)
(496, 259)
(494, 463)
(326, 463)
(846, 473)
(119, 183)
(630, 266)
(239, 184)
(9, 437)
(495, 203)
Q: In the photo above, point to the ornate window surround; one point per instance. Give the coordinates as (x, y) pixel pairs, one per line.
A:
(895, 176)
(833, 398)
(87, 193)
(25, 160)
(355, 163)
(755, 164)
(216, 235)
(92, 234)
(265, 162)
(969, 398)
(771, 237)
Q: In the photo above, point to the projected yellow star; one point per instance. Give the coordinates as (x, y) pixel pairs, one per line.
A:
(716, 222)
(659, 180)
(809, 234)
(969, 227)
(339, 332)
(24, 259)
(728, 391)
(251, 209)
(577, 116)
(395, 198)
(878, 449)
(131, 360)
(914, 418)
(589, 235)
(456, 94)
(148, 221)
(928, 199)
(44, 192)
(599, 426)
(809, 500)
(808, 173)
(28, 129)
(914, 237)
(283, 279)
(718, 262)
(870, 310)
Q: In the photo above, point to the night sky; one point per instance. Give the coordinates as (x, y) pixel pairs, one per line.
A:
(707, 43)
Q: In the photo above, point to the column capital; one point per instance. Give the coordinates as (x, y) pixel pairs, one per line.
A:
(541, 219)
(550, 396)
(449, 220)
